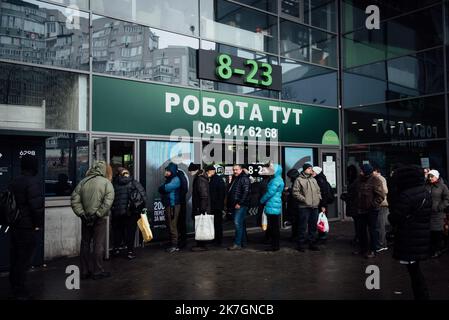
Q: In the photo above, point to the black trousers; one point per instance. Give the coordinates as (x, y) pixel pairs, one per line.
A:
(124, 231)
(93, 263)
(419, 286)
(182, 226)
(436, 239)
(368, 222)
(274, 229)
(218, 225)
(23, 243)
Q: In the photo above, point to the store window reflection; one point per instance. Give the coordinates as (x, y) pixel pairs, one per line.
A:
(136, 51)
(230, 23)
(66, 163)
(41, 33)
(318, 13)
(42, 98)
(302, 43)
(304, 82)
(174, 15)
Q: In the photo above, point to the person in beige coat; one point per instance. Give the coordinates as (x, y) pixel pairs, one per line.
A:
(383, 213)
(307, 193)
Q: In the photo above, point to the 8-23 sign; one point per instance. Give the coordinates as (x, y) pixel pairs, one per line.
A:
(236, 70)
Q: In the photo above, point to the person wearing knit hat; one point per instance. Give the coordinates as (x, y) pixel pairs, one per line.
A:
(440, 201)
(193, 168)
(307, 193)
(317, 170)
(306, 166)
(369, 196)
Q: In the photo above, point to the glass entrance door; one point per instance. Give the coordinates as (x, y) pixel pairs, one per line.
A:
(329, 161)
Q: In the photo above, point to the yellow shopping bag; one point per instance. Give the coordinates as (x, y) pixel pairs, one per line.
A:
(144, 227)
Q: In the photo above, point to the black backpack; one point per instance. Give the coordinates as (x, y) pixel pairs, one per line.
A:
(9, 211)
(136, 200)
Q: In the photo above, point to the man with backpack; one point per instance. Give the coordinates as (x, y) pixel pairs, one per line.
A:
(327, 196)
(22, 210)
(129, 201)
(91, 201)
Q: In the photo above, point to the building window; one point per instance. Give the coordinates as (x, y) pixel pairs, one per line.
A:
(37, 98)
(66, 163)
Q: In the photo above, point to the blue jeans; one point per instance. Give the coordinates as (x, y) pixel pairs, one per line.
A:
(239, 219)
(308, 219)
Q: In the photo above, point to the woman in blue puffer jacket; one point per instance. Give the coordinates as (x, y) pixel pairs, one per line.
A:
(272, 200)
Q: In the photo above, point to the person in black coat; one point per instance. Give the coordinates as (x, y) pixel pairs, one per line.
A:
(217, 191)
(410, 217)
(29, 196)
(326, 196)
(182, 225)
(238, 203)
(124, 214)
(200, 199)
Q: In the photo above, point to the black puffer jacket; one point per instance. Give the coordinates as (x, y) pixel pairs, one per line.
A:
(325, 189)
(239, 191)
(28, 191)
(200, 194)
(217, 191)
(410, 218)
(123, 186)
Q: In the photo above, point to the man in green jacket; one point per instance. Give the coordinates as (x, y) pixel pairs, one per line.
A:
(91, 201)
(308, 196)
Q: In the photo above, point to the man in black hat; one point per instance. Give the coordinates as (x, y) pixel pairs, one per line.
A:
(200, 198)
(307, 193)
(370, 195)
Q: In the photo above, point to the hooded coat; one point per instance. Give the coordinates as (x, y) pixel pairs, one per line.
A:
(170, 190)
(123, 187)
(440, 201)
(28, 192)
(272, 199)
(94, 194)
(410, 216)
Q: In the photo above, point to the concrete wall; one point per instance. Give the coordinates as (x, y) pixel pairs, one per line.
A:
(62, 230)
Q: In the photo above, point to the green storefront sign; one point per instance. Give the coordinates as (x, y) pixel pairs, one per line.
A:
(126, 106)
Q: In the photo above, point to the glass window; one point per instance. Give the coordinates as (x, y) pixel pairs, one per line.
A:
(412, 119)
(232, 88)
(62, 43)
(354, 16)
(76, 4)
(318, 13)
(66, 163)
(173, 15)
(387, 156)
(42, 99)
(302, 43)
(230, 23)
(403, 77)
(267, 5)
(395, 38)
(308, 83)
(137, 51)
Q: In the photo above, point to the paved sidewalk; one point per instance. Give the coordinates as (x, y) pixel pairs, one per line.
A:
(332, 273)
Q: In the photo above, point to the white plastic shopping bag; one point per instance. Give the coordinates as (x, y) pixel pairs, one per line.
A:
(264, 221)
(323, 223)
(204, 227)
